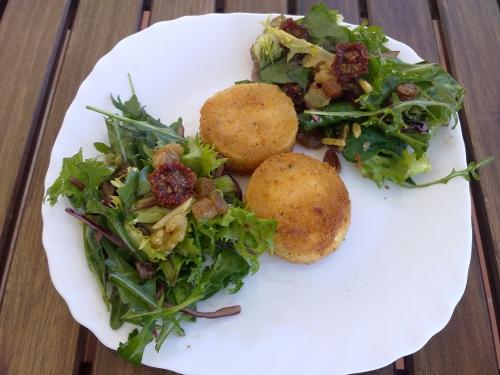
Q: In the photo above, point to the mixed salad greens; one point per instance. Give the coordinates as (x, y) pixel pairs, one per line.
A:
(164, 224)
(353, 93)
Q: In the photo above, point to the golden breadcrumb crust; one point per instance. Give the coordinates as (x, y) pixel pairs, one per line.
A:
(309, 201)
(247, 123)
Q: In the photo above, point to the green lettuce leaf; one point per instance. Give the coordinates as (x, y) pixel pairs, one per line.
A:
(295, 45)
(379, 168)
(200, 157)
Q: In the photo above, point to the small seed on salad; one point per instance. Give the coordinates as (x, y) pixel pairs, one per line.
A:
(356, 130)
(365, 85)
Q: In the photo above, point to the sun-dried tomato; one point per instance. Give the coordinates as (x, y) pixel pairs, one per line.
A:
(351, 61)
(293, 28)
(172, 183)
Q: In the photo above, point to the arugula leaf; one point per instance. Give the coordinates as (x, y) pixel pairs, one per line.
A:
(143, 185)
(372, 37)
(103, 148)
(169, 325)
(200, 157)
(386, 74)
(323, 28)
(95, 260)
(118, 309)
(308, 122)
(133, 349)
(127, 192)
(229, 268)
(132, 292)
(469, 173)
(372, 142)
(90, 172)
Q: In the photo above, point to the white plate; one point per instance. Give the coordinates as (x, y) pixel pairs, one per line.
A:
(392, 285)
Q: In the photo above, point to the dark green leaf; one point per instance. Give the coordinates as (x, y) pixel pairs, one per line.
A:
(275, 72)
(372, 37)
(323, 28)
(144, 187)
(127, 192)
(300, 75)
(95, 260)
(133, 349)
(132, 292)
(371, 142)
(103, 148)
(118, 309)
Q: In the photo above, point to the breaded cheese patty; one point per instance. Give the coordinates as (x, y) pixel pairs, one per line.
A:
(247, 123)
(309, 201)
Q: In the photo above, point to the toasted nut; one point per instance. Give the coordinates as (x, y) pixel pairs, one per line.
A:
(323, 76)
(167, 153)
(182, 209)
(157, 238)
(356, 130)
(333, 142)
(367, 88)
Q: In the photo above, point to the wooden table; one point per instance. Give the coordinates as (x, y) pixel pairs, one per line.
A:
(48, 47)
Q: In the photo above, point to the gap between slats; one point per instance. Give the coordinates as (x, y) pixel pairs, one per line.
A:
(3, 4)
(27, 164)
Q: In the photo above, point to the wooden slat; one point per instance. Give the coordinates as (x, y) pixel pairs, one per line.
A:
(107, 361)
(407, 20)
(465, 346)
(252, 6)
(453, 350)
(474, 54)
(349, 9)
(163, 10)
(31, 34)
(37, 333)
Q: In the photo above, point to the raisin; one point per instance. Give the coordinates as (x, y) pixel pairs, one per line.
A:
(172, 183)
(311, 139)
(293, 28)
(407, 91)
(295, 93)
(351, 90)
(351, 61)
(332, 159)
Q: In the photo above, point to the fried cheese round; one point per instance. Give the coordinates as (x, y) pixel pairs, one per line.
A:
(247, 123)
(309, 201)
